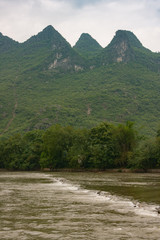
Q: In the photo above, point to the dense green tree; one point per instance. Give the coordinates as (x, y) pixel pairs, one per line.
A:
(21, 152)
(33, 149)
(2, 162)
(145, 156)
(78, 152)
(13, 149)
(158, 151)
(56, 143)
(101, 146)
(126, 138)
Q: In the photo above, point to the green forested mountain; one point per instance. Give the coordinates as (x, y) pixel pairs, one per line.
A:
(6, 43)
(125, 48)
(87, 46)
(44, 81)
(57, 52)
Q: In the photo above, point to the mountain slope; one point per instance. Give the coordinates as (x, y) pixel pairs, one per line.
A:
(53, 51)
(124, 48)
(44, 81)
(47, 50)
(87, 46)
(6, 43)
(115, 94)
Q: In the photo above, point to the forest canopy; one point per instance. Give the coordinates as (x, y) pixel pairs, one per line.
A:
(104, 146)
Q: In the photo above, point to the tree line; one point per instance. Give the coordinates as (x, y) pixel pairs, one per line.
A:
(104, 146)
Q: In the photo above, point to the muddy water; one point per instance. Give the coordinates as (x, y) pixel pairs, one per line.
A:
(84, 206)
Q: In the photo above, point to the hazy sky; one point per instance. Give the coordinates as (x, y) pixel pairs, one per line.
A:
(20, 19)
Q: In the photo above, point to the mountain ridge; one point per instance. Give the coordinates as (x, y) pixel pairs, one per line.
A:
(50, 82)
(49, 27)
(7, 43)
(124, 48)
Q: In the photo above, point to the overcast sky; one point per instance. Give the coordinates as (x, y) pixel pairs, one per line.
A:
(20, 19)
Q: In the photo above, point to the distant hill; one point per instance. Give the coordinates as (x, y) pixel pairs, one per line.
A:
(44, 81)
(87, 46)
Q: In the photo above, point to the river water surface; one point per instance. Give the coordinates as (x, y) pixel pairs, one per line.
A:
(88, 206)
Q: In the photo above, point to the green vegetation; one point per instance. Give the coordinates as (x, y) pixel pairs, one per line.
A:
(44, 81)
(101, 147)
(21, 152)
(87, 46)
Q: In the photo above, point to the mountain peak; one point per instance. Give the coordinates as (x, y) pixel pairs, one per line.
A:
(122, 48)
(56, 52)
(49, 27)
(86, 36)
(87, 46)
(48, 37)
(6, 43)
(49, 30)
(128, 37)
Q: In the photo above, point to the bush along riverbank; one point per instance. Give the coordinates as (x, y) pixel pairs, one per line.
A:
(105, 146)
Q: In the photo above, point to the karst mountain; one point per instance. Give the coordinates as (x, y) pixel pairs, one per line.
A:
(45, 81)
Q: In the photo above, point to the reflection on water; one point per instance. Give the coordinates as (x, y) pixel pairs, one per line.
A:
(79, 206)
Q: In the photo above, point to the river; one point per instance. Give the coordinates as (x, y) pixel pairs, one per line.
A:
(88, 206)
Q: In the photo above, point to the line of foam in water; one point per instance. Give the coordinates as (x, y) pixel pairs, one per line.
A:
(120, 204)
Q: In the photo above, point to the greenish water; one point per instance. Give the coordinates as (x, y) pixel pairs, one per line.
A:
(84, 206)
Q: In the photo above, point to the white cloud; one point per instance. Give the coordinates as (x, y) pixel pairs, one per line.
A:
(21, 19)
